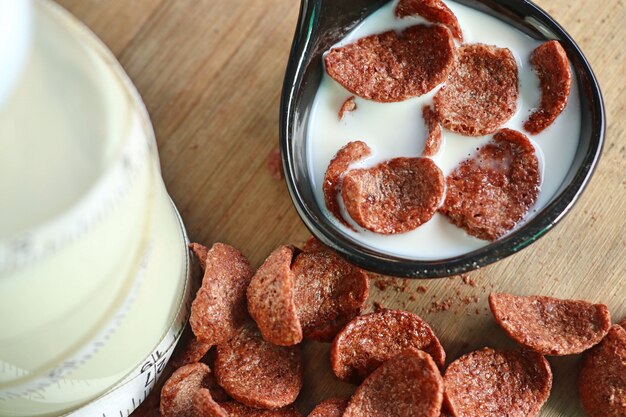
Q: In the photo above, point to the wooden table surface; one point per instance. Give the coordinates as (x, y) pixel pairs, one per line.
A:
(210, 73)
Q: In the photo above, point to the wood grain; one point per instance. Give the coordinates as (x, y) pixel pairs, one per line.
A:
(210, 72)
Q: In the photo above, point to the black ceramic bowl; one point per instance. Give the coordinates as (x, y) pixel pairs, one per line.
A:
(321, 24)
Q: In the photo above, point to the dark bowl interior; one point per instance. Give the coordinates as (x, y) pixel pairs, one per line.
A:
(322, 23)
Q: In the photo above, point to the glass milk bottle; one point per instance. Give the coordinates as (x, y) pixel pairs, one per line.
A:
(93, 258)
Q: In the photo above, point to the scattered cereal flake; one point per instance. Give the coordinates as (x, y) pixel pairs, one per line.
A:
(258, 373)
(328, 293)
(270, 299)
(551, 326)
(178, 392)
(239, 410)
(407, 385)
(204, 405)
(368, 341)
(201, 252)
(490, 382)
(219, 307)
(602, 379)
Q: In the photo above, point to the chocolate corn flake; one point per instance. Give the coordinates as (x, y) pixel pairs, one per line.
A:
(177, 394)
(432, 10)
(348, 106)
(329, 292)
(257, 373)
(490, 382)
(219, 308)
(393, 66)
(550, 63)
(370, 340)
(551, 326)
(270, 299)
(434, 139)
(204, 405)
(239, 410)
(395, 196)
(487, 195)
(602, 378)
(408, 385)
(349, 154)
(481, 92)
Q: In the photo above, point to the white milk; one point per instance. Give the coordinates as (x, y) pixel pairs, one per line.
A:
(93, 258)
(397, 129)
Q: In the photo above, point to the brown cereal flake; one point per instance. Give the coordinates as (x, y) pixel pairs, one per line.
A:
(239, 410)
(270, 299)
(393, 66)
(275, 164)
(487, 195)
(201, 252)
(348, 106)
(219, 307)
(408, 385)
(433, 141)
(395, 196)
(177, 394)
(333, 407)
(349, 154)
(370, 340)
(490, 382)
(432, 10)
(551, 326)
(258, 373)
(602, 378)
(314, 245)
(481, 92)
(550, 63)
(204, 405)
(623, 323)
(329, 292)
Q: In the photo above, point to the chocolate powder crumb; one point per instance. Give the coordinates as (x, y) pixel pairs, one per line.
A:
(467, 280)
(347, 106)
(274, 164)
(399, 285)
(439, 306)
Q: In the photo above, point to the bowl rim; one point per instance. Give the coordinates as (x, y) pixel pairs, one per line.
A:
(521, 238)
